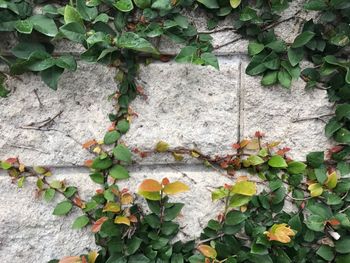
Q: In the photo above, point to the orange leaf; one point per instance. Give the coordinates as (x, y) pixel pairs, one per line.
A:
(71, 259)
(150, 185)
(244, 143)
(88, 144)
(88, 163)
(333, 222)
(165, 181)
(122, 220)
(83, 259)
(207, 251)
(133, 219)
(280, 233)
(97, 225)
(175, 188)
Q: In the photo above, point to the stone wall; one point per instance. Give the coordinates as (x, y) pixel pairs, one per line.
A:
(185, 105)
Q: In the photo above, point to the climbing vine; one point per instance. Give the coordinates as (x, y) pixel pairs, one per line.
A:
(253, 225)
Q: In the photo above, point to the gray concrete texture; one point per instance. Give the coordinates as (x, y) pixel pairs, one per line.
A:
(185, 105)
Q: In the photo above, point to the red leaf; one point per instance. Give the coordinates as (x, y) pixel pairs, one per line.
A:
(236, 146)
(88, 144)
(12, 160)
(97, 225)
(259, 134)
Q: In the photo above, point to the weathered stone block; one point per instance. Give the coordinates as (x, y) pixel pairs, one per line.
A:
(82, 98)
(187, 106)
(279, 112)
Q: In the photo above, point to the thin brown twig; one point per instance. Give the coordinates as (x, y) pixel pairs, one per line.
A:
(314, 118)
(38, 98)
(27, 147)
(41, 124)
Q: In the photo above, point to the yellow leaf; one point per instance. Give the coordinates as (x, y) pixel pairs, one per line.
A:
(194, 154)
(273, 144)
(244, 143)
(332, 180)
(235, 3)
(92, 256)
(175, 188)
(111, 207)
(150, 185)
(315, 189)
(97, 150)
(126, 199)
(207, 251)
(178, 157)
(21, 168)
(253, 144)
(71, 259)
(244, 188)
(162, 146)
(155, 196)
(39, 169)
(122, 220)
(280, 232)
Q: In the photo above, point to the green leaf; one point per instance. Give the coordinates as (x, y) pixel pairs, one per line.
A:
(122, 153)
(295, 55)
(133, 245)
(86, 12)
(211, 4)
(102, 163)
(44, 25)
(74, 32)
(235, 218)
(343, 245)
(315, 223)
(123, 126)
(62, 208)
(316, 5)
(71, 15)
(315, 159)
(51, 76)
(321, 174)
(124, 5)
(296, 167)
(97, 178)
(238, 200)
(49, 194)
(342, 136)
(163, 5)
(66, 62)
(255, 160)
(284, 78)
(138, 258)
(303, 39)
(255, 48)
(119, 172)
(331, 127)
(25, 49)
(187, 54)
(24, 26)
(210, 59)
(270, 78)
(80, 222)
(172, 212)
(143, 4)
(342, 111)
(111, 137)
(277, 161)
(133, 41)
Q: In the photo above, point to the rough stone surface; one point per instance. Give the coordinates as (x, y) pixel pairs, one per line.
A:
(187, 106)
(30, 233)
(279, 112)
(82, 96)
